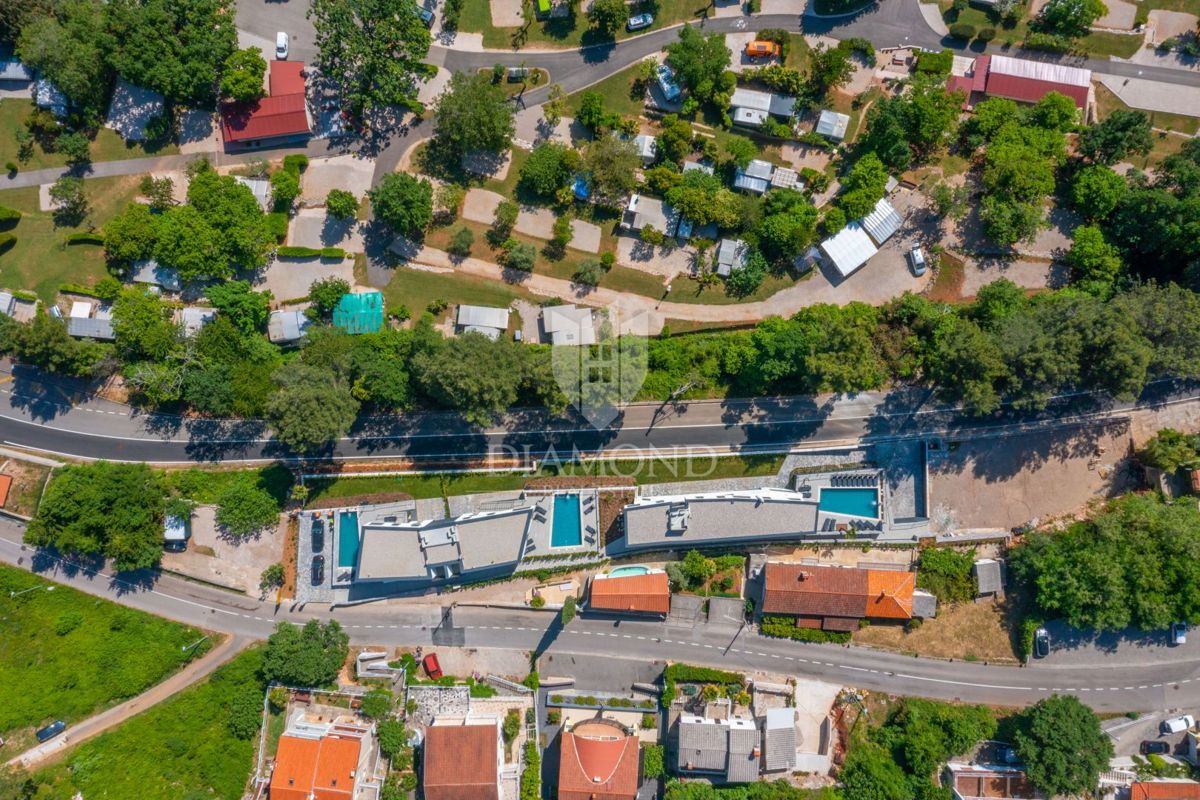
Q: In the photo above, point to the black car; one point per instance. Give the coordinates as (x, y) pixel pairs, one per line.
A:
(318, 535)
(318, 570)
(50, 731)
(1041, 643)
(1150, 746)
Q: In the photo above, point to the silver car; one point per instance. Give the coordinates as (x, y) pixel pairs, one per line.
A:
(917, 256)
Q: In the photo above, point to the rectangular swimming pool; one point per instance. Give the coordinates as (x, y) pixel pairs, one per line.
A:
(850, 502)
(347, 538)
(567, 530)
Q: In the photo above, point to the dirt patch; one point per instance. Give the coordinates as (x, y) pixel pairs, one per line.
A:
(969, 631)
(28, 481)
(291, 550)
(948, 282)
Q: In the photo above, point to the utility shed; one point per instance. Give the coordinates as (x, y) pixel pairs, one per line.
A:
(832, 125)
(849, 249)
(883, 221)
(989, 577)
(287, 326)
(359, 312)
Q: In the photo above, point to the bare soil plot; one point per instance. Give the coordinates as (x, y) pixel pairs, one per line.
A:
(968, 631)
(27, 482)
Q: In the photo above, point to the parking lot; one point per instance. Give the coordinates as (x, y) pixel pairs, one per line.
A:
(1128, 734)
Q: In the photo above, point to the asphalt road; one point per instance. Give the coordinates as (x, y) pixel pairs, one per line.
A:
(1127, 687)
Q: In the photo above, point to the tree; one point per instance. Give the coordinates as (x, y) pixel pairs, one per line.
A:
(244, 509)
(1071, 17)
(472, 115)
(285, 188)
(567, 614)
(946, 573)
(863, 186)
(242, 78)
(1120, 134)
(698, 61)
(829, 68)
(608, 16)
(45, 343)
(612, 165)
(159, 191)
(247, 309)
(1094, 262)
(590, 272)
(373, 51)
(69, 50)
(1055, 111)
(131, 235)
(968, 366)
(472, 374)
(76, 147)
(70, 202)
(461, 242)
(675, 141)
(518, 255)
(870, 774)
(244, 712)
(1169, 450)
(1062, 746)
(312, 407)
(950, 201)
(341, 204)
(403, 203)
(308, 657)
(549, 168)
(144, 326)
(553, 108)
(739, 151)
(240, 236)
(377, 704)
(326, 293)
(103, 509)
(271, 578)
(187, 243)
(1096, 191)
(702, 198)
(930, 116)
(392, 737)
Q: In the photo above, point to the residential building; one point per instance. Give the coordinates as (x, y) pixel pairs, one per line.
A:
(321, 760)
(755, 177)
(836, 598)
(883, 222)
(150, 272)
(1165, 790)
(259, 187)
(569, 325)
(285, 327)
(664, 76)
(646, 593)
(724, 751)
(1022, 80)
(848, 249)
(832, 125)
(193, 318)
(8, 303)
(989, 781)
(175, 532)
(463, 760)
(647, 148)
(598, 760)
(779, 740)
(359, 312)
(731, 256)
(751, 108)
(88, 320)
(485, 320)
(643, 210)
(281, 117)
(14, 72)
(49, 97)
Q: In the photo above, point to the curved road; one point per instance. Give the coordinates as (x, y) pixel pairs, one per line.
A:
(1118, 688)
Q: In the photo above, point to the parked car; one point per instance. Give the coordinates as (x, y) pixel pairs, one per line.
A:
(917, 256)
(665, 77)
(1177, 724)
(425, 15)
(318, 570)
(639, 21)
(1150, 746)
(281, 46)
(1178, 633)
(432, 668)
(50, 731)
(318, 535)
(762, 48)
(1041, 643)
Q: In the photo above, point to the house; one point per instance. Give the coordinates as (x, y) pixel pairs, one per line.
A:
(1023, 81)
(664, 76)
(598, 760)
(88, 321)
(193, 318)
(755, 177)
(694, 166)
(751, 108)
(484, 320)
(14, 72)
(259, 187)
(5, 487)
(832, 125)
(1165, 790)
(279, 118)
(647, 593)
(779, 740)
(786, 178)
(8, 303)
(321, 760)
(151, 272)
(175, 533)
(989, 577)
(48, 96)
(836, 598)
(724, 751)
(462, 759)
(848, 249)
(359, 312)
(568, 325)
(131, 110)
(643, 210)
(731, 256)
(647, 148)
(883, 221)
(988, 781)
(284, 327)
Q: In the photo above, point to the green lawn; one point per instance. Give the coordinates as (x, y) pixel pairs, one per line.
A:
(618, 93)
(1107, 102)
(66, 655)
(1105, 43)
(573, 30)
(416, 289)
(206, 485)
(798, 52)
(416, 486)
(178, 750)
(106, 146)
(41, 260)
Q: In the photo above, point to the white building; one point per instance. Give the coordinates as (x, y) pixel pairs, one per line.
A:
(485, 320)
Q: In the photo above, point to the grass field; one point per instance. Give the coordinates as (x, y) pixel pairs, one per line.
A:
(178, 750)
(618, 92)
(66, 655)
(572, 30)
(206, 485)
(416, 289)
(1107, 43)
(107, 146)
(41, 259)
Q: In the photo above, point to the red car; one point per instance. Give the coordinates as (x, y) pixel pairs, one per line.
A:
(432, 668)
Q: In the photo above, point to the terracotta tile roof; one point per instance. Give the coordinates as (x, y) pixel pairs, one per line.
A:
(592, 768)
(336, 765)
(292, 778)
(316, 769)
(980, 73)
(460, 762)
(5, 485)
(650, 593)
(819, 591)
(1165, 790)
(286, 77)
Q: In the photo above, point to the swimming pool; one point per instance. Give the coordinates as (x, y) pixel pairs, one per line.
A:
(635, 569)
(850, 502)
(567, 530)
(347, 538)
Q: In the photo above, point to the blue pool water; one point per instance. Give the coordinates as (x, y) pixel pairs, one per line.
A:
(347, 538)
(636, 569)
(567, 530)
(850, 502)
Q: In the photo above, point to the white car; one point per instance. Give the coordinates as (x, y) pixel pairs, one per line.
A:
(281, 46)
(639, 21)
(1177, 724)
(1178, 633)
(917, 256)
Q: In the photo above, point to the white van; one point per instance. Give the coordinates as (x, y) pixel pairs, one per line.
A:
(281, 46)
(1178, 724)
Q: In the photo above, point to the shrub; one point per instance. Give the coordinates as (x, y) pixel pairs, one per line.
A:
(85, 237)
(511, 726)
(652, 235)
(986, 35)
(652, 761)
(244, 508)
(935, 63)
(10, 167)
(537, 602)
(649, 721)
(67, 622)
(277, 225)
(568, 611)
(285, 188)
(333, 252)
(518, 255)
(297, 252)
(947, 574)
(341, 204)
(962, 30)
(9, 214)
(460, 243)
(7, 240)
(589, 273)
(295, 163)
(1048, 42)
(785, 628)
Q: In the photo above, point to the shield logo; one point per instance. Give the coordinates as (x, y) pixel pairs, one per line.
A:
(599, 359)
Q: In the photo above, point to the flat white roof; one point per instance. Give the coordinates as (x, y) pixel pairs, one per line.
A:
(849, 248)
(833, 124)
(482, 317)
(1040, 70)
(81, 309)
(569, 324)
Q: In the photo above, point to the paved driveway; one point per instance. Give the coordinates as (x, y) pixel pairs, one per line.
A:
(261, 19)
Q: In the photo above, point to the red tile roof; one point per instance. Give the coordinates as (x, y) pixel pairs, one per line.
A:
(460, 762)
(283, 113)
(1165, 790)
(649, 593)
(594, 767)
(286, 77)
(1030, 90)
(320, 769)
(817, 591)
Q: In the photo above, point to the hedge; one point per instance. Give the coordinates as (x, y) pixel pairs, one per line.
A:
(85, 237)
(277, 224)
(78, 288)
(1048, 42)
(962, 30)
(27, 296)
(9, 214)
(7, 240)
(986, 35)
(935, 63)
(333, 252)
(295, 163)
(785, 628)
(686, 672)
(297, 252)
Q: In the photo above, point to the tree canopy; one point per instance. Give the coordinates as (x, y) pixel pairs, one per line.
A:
(1062, 746)
(700, 61)
(311, 408)
(473, 114)
(403, 203)
(308, 657)
(242, 78)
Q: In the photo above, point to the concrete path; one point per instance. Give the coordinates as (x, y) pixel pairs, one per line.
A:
(80, 732)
